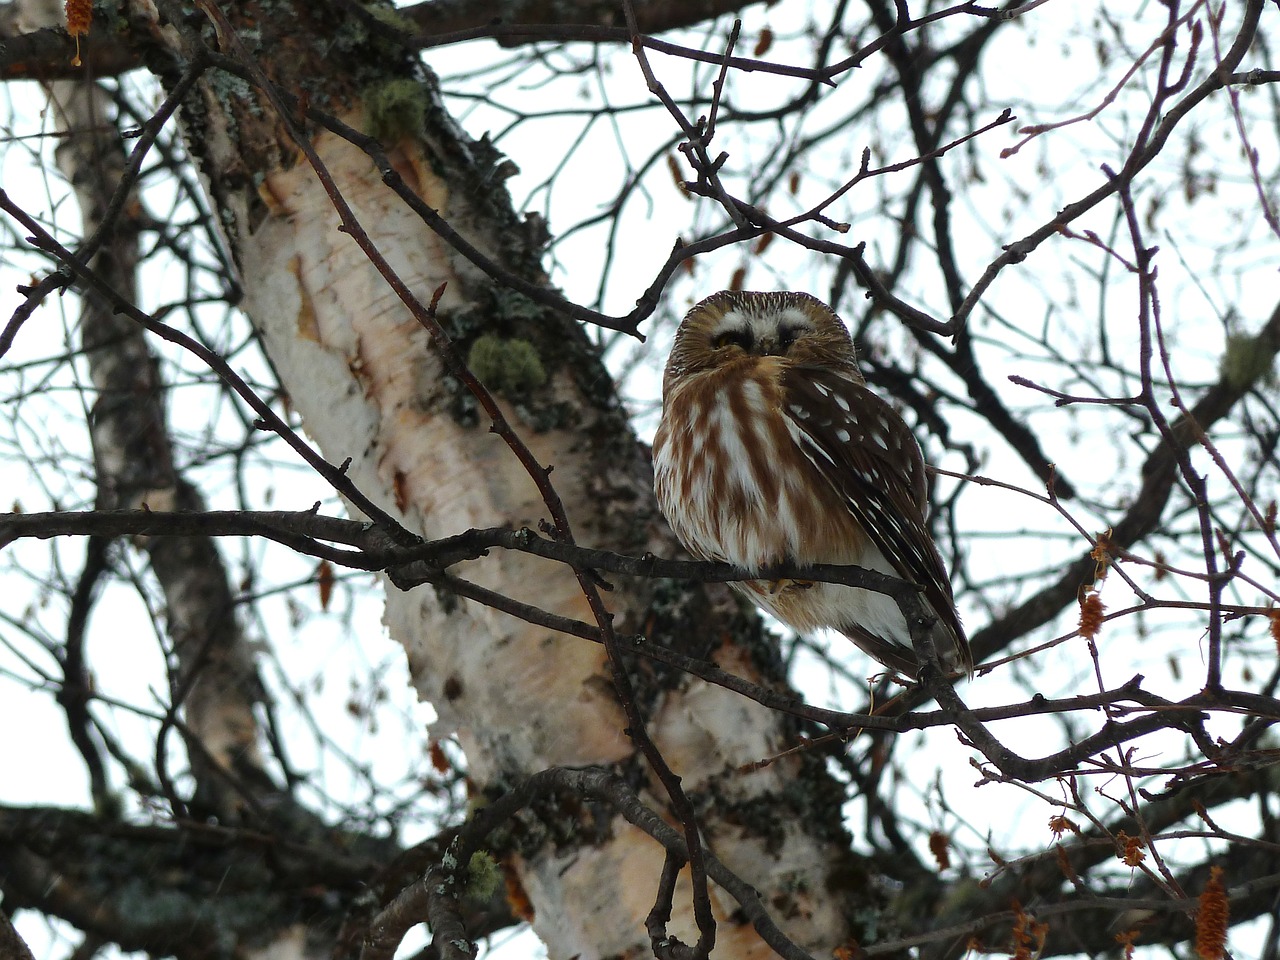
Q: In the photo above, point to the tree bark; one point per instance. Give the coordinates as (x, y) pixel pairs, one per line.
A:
(370, 387)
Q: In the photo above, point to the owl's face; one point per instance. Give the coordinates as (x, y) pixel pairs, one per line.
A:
(731, 327)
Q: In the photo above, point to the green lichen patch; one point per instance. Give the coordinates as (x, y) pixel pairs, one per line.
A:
(483, 876)
(510, 366)
(394, 19)
(1244, 364)
(396, 110)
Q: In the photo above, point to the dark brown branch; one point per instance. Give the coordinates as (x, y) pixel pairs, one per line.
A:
(374, 549)
(1159, 476)
(12, 946)
(216, 882)
(656, 16)
(296, 529)
(107, 51)
(1019, 250)
(47, 54)
(336, 476)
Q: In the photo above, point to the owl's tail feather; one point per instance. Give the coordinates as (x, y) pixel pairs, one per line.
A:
(953, 651)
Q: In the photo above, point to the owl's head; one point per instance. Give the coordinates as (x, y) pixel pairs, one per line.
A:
(734, 325)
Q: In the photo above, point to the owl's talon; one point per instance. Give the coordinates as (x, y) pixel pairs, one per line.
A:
(780, 586)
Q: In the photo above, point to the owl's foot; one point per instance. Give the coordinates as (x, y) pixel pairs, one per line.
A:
(781, 586)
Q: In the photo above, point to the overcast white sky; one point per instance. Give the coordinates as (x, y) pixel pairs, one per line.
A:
(337, 656)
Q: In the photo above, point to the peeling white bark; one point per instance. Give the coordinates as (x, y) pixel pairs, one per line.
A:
(360, 368)
(520, 699)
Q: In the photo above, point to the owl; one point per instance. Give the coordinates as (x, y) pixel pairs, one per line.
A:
(773, 450)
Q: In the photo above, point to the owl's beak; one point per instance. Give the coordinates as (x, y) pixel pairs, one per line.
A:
(766, 347)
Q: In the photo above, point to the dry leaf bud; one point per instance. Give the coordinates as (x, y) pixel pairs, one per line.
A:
(1211, 918)
(677, 175)
(939, 846)
(1091, 614)
(79, 17)
(1132, 853)
(1028, 934)
(1061, 824)
(764, 43)
(1064, 864)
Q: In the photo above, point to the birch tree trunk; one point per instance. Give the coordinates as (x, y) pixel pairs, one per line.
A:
(370, 387)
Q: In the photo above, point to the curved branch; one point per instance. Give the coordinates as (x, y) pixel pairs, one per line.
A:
(1159, 475)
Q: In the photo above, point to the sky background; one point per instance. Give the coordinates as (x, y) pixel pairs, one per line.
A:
(1217, 269)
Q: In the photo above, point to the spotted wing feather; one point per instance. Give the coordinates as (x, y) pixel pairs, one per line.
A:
(860, 445)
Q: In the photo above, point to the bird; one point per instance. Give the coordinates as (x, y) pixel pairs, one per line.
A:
(771, 450)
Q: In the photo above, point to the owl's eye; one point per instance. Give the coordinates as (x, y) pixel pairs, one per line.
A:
(738, 338)
(787, 336)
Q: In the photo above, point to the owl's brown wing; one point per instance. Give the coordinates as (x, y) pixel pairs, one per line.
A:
(868, 454)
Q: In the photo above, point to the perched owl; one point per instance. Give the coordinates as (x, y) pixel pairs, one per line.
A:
(772, 449)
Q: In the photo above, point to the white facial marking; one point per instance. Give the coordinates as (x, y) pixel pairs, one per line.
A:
(769, 322)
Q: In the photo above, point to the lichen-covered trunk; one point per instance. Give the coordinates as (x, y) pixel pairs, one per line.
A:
(370, 387)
